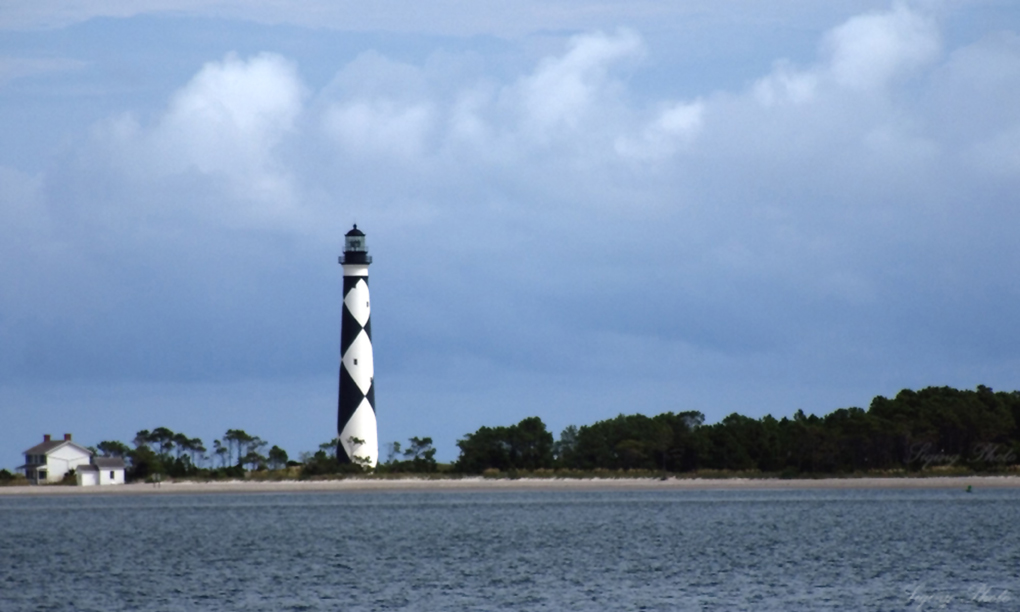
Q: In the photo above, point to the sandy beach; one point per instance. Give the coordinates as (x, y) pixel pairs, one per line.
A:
(358, 485)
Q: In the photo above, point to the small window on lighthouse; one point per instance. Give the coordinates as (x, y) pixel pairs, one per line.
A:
(355, 362)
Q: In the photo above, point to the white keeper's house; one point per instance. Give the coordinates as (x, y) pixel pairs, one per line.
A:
(50, 461)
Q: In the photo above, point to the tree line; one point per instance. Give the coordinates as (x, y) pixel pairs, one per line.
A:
(934, 427)
(418, 457)
(162, 452)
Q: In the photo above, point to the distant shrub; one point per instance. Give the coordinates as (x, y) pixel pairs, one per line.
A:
(7, 479)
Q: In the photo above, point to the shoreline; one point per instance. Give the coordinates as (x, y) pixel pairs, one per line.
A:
(479, 484)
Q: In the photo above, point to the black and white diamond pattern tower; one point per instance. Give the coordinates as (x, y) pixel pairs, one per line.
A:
(356, 425)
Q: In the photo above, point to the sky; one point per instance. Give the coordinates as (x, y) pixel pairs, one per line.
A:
(576, 209)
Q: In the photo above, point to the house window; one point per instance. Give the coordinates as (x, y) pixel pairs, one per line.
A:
(111, 475)
(42, 475)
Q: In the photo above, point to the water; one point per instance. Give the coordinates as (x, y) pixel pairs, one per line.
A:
(682, 550)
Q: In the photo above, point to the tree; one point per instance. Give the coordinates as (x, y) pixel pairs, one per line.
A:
(354, 444)
(253, 452)
(524, 446)
(144, 463)
(631, 453)
(197, 449)
(487, 448)
(237, 440)
(113, 448)
(141, 438)
(618, 443)
(253, 459)
(531, 445)
(221, 451)
(164, 439)
(420, 455)
(277, 458)
(661, 440)
(564, 448)
(392, 452)
(182, 443)
(324, 461)
(331, 446)
(256, 444)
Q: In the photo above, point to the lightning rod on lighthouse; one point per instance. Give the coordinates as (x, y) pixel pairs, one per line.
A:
(356, 424)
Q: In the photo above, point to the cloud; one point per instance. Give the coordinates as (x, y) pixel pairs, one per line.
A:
(378, 108)
(227, 123)
(861, 56)
(786, 85)
(574, 110)
(674, 126)
(571, 136)
(383, 109)
(381, 127)
(563, 91)
(870, 50)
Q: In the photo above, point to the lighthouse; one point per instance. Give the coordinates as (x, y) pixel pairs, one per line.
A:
(356, 426)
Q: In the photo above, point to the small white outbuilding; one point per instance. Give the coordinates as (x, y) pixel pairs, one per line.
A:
(102, 471)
